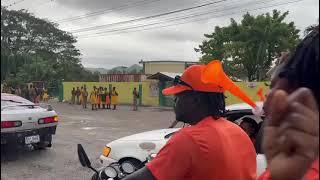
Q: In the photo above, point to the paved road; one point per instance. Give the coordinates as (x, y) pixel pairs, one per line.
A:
(93, 129)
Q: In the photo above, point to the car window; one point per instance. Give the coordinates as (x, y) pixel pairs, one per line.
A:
(13, 100)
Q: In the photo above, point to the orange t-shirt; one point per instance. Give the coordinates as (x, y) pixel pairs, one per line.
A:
(211, 149)
(312, 174)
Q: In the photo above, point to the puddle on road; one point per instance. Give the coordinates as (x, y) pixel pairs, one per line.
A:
(89, 128)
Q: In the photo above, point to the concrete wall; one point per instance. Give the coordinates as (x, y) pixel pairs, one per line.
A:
(152, 68)
(123, 88)
(125, 91)
(251, 92)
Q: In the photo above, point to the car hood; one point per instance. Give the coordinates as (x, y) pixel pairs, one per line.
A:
(154, 135)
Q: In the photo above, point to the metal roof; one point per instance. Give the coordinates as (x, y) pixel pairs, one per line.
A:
(168, 61)
(166, 76)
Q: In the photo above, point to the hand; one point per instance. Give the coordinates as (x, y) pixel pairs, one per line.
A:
(291, 134)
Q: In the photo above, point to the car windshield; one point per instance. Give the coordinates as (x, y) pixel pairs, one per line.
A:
(13, 101)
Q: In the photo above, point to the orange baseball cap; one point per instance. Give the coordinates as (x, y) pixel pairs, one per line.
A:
(191, 80)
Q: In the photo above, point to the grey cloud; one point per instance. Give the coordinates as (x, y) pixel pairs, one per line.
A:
(171, 43)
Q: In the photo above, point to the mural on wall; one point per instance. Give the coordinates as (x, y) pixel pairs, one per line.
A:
(153, 89)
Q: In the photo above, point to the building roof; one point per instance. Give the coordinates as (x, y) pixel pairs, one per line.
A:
(168, 61)
(164, 76)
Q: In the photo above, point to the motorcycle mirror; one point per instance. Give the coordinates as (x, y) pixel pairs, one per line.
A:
(83, 157)
(49, 108)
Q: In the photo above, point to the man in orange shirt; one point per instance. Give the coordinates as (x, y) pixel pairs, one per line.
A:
(211, 148)
(291, 132)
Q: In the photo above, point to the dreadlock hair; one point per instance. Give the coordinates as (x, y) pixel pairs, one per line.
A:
(302, 68)
(214, 102)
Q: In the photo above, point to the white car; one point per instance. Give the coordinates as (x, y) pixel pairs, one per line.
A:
(25, 123)
(137, 148)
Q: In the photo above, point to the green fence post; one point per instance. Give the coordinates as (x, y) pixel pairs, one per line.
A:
(140, 94)
(110, 87)
(161, 96)
(60, 92)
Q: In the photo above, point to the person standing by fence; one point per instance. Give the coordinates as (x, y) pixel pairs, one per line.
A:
(81, 96)
(33, 94)
(18, 91)
(93, 99)
(78, 95)
(73, 96)
(45, 95)
(114, 98)
(135, 94)
(25, 93)
(103, 98)
(84, 98)
(108, 99)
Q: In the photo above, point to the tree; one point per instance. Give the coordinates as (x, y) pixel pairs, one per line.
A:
(248, 48)
(34, 49)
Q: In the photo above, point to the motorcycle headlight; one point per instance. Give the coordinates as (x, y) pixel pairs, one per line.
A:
(127, 167)
(111, 172)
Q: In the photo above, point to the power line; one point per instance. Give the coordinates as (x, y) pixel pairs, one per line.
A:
(41, 4)
(202, 19)
(186, 17)
(15, 3)
(147, 17)
(96, 13)
(190, 16)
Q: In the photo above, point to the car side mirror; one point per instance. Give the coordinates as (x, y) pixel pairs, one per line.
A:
(83, 157)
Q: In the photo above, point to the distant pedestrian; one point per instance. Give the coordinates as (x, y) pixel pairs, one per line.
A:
(73, 95)
(103, 98)
(38, 95)
(108, 99)
(45, 95)
(18, 91)
(84, 98)
(25, 93)
(99, 97)
(32, 94)
(135, 95)
(114, 98)
(81, 96)
(78, 95)
(93, 99)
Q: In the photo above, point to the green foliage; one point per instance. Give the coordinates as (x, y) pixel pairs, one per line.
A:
(248, 48)
(34, 49)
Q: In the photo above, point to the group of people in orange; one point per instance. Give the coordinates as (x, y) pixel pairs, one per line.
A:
(100, 98)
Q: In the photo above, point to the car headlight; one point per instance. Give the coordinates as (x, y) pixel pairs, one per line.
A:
(111, 172)
(106, 151)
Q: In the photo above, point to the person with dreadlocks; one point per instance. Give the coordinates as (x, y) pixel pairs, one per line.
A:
(211, 148)
(291, 132)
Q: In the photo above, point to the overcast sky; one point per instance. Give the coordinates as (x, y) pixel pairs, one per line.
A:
(174, 42)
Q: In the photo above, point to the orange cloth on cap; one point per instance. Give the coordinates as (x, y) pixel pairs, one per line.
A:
(192, 77)
(214, 74)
